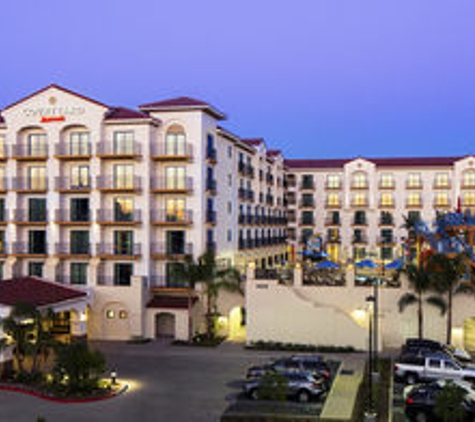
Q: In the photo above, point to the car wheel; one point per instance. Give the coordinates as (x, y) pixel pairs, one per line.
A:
(421, 417)
(411, 378)
(303, 396)
(253, 394)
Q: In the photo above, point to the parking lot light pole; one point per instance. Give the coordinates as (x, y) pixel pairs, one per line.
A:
(370, 414)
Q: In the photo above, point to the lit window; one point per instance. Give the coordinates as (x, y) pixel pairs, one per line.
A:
(123, 314)
(110, 314)
(360, 180)
(333, 200)
(414, 180)
(469, 179)
(359, 200)
(442, 199)
(469, 199)
(387, 181)
(414, 199)
(333, 181)
(387, 200)
(442, 180)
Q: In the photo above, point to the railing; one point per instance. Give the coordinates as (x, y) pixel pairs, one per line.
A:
(168, 249)
(168, 217)
(166, 184)
(30, 151)
(359, 239)
(330, 221)
(68, 248)
(25, 248)
(118, 250)
(211, 154)
(70, 149)
(29, 184)
(164, 281)
(114, 216)
(67, 183)
(333, 186)
(211, 216)
(307, 186)
(118, 183)
(307, 222)
(27, 216)
(211, 185)
(332, 239)
(107, 280)
(307, 204)
(386, 222)
(112, 149)
(359, 185)
(4, 185)
(164, 151)
(66, 216)
(414, 185)
(4, 151)
(386, 240)
(360, 222)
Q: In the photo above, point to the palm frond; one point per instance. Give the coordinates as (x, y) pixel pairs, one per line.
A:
(406, 300)
(438, 302)
(465, 287)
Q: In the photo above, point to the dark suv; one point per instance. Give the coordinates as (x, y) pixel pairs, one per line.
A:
(422, 347)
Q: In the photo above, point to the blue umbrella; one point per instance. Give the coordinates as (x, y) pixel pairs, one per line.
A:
(366, 263)
(394, 265)
(327, 265)
(306, 252)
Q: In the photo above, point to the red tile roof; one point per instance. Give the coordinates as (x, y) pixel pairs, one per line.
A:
(380, 162)
(274, 152)
(183, 103)
(254, 142)
(2, 120)
(35, 291)
(170, 302)
(57, 87)
(122, 113)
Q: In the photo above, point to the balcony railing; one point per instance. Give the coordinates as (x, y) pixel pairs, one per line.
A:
(211, 216)
(441, 204)
(332, 221)
(307, 221)
(332, 239)
(387, 185)
(167, 185)
(414, 185)
(211, 155)
(108, 280)
(28, 216)
(360, 222)
(170, 249)
(332, 204)
(306, 204)
(164, 152)
(442, 185)
(33, 152)
(360, 239)
(67, 248)
(25, 248)
(63, 216)
(359, 204)
(211, 186)
(114, 150)
(117, 217)
(333, 186)
(307, 186)
(26, 184)
(245, 169)
(73, 150)
(83, 184)
(125, 250)
(111, 183)
(414, 204)
(359, 185)
(386, 240)
(386, 222)
(164, 217)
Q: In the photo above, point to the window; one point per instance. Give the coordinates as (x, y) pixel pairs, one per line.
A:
(80, 177)
(3, 180)
(333, 181)
(359, 200)
(414, 180)
(230, 235)
(230, 207)
(386, 253)
(175, 177)
(123, 209)
(434, 363)
(358, 236)
(79, 209)
(37, 145)
(110, 314)
(230, 180)
(123, 314)
(124, 242)
(79, 143)
(333, 235)
(333, 200)
(334, 217)
(78, 272)
(174, 274)
(175, 242)
(35, 269)
(360, 180)
(387, 181)
(307, 217)
(2, 209)
(123, 176)
(124, 142)
(37, 178)
(360, 218)
(3, 152)
(37, 242)
(468, 179)
(306, 234)
(230, 151)
(307, 200)
(359, 253)
(210, 151)
(442, 180)
(3, 245)
(37, 209)
(442, 199)
(307, 181)
(122, 274)
(175, 141)
(387, 199)
(414, 199)
(386, 218)
(175, 210)
(469, 199)
(79, 242)
(386, 236)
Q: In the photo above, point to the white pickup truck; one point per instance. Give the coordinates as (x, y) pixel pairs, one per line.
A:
(432, 367)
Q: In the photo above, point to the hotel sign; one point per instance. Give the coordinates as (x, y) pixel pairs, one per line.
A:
(53, 113)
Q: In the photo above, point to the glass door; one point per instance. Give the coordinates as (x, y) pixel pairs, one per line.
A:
(37, 178)
(124, 176)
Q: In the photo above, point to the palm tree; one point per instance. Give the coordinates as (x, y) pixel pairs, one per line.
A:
(214, 279)
(420, 282)
(446, 274)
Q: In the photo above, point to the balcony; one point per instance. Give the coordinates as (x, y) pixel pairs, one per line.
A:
(4, 152)
(414, 184)
(386, 240)
(70, 185)
(291, 200)
(73, 151)
(109, 280)
(269, 179)
(211, 156)
(333, 186)
(30, 218)
(307, 204)
(30, 249)
(72, 250)
(245, 169)
(307, 221)
(171, 251)
(172, 218)
(307, 186)
(4, 186)
(291, 182)
(442, 185)
(387, 185)
(270, 200)
(211, 186)
(113, 151)
(211, 217)
(246, 194)
(117, 251)
(468, 184)
(165, 152)
(359, 204)
(166, 185)
(332, 221)
(361, 185)
(414, 204)
(387, 204)
(360, 222)
(25, 152)
(30, 185)
(361, 239)
(68, 217)
(441, 204)
(332, 204)
(333, 239)
(118, 218)
(118, 184)
(386, 222)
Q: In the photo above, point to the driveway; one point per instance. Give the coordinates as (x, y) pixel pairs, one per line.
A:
(169, 384)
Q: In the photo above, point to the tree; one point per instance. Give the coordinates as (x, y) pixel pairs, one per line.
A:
(420, 282)
(79, 367)
(449, 403)
(446, 274)
(214, 279)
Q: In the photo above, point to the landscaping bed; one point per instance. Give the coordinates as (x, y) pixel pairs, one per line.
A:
(294, 347)
(200, 340)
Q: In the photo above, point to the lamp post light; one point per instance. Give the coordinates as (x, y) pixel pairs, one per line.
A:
(113, 377)
(370, 414)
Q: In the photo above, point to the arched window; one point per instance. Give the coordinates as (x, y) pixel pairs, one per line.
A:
(175, 141)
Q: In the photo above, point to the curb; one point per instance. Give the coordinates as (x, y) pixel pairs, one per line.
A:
(44, 396)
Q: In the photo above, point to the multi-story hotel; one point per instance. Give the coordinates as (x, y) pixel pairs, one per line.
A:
(111, 200)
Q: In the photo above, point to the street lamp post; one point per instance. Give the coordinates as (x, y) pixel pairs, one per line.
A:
(370, 414)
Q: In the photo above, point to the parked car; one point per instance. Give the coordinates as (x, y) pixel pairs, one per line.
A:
(420, 401)
(414, 368)
(300, 385)
(423, 346)
(468, 387)
(313, 364)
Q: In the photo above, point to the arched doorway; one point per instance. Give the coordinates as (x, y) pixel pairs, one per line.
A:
(164, 325)
(237, 326)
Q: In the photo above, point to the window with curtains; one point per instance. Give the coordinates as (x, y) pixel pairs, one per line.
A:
(468, 179)
(78, 271)
(37, 178)
(123, 209)
(175, 141)
(79, 242)
(79, 143)
(80, 176)
(175, 177)
(79, 209)
(123, 176)
(37, 145)
(124, 142)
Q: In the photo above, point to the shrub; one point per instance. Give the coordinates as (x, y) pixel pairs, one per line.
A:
(272, 387)
(449, 403)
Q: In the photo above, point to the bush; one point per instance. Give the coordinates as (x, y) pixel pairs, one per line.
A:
(449, 403)
(272, 387)
(293, 347)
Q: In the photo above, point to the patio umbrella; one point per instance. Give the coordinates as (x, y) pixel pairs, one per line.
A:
(366, 263)
(394, 265)
(327, 265)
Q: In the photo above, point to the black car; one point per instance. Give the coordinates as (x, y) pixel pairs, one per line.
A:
(314, 365)
(422, 347)
(420, 403)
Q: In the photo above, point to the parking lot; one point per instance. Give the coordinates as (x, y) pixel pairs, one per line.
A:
(168, 383)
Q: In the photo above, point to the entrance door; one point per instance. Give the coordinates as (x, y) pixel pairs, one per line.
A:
(165, 325)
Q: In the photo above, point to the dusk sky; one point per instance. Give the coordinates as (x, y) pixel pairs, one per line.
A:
(315, 78)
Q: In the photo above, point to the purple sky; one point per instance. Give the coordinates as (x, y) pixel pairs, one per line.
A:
(316, 78)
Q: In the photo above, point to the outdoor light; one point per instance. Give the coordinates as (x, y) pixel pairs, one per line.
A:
(114, 377)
